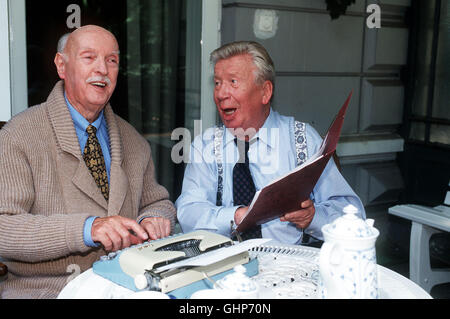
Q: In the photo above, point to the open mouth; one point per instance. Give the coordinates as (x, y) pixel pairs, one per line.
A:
(99, 84)
(229, 111)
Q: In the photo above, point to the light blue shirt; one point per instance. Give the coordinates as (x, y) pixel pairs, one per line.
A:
(271, 156)
(100, 124)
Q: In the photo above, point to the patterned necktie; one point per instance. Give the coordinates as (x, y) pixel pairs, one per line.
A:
(93, 157)
(243, 186)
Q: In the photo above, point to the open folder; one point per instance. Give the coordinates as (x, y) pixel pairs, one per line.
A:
(285, 194)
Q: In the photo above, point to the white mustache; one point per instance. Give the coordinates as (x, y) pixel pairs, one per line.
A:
(99, 79)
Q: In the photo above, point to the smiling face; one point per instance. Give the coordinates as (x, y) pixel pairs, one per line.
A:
(241, 102)
(89, 68)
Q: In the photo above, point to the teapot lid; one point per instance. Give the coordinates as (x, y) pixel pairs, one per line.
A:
(350, 225)
(238, 281)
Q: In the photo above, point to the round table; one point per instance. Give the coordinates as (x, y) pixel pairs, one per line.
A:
(285, 272)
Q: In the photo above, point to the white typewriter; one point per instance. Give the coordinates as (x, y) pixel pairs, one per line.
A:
(180, 264)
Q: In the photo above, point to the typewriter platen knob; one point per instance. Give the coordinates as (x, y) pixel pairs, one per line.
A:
(141, 282)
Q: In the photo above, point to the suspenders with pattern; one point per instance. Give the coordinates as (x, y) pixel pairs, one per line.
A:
(300, 148)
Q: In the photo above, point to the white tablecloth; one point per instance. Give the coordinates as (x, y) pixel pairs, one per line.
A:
(89, 285)
(391, 285)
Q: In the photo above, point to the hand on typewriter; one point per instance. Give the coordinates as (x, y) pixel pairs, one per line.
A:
(156, 227)
(302, 217)
(116, 232)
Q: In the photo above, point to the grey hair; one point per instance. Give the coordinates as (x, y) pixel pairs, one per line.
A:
(261, 58)
(62, 45)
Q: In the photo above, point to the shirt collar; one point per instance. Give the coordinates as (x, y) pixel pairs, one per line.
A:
(263, 134)
(79, 121)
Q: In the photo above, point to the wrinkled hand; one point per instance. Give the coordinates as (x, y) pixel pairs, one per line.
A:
(302, 217)
(156, 227)
(117, 232)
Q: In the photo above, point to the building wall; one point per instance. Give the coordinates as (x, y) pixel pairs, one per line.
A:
(320, 60)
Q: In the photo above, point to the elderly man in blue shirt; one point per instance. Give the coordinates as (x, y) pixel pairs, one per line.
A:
(221, 178)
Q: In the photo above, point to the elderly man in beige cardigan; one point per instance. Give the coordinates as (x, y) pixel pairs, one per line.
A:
(54, 216)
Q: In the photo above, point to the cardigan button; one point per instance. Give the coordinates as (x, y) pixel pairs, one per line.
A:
(3, 269)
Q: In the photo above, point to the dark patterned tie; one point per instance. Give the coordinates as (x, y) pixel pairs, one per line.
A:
(93, 157)
(243, 186)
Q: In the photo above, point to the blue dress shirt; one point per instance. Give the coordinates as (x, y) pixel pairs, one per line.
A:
(271, 156)
(100, 124)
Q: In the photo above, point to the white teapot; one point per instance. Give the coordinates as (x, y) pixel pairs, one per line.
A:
(347, 263)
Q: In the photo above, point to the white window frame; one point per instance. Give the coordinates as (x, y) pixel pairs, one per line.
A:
(211, 40)
(5, 81)
(13, 53)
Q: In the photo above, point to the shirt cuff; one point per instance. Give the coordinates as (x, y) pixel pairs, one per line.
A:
(141, 219)
(88, 231)
(315, 228)
(225, 216)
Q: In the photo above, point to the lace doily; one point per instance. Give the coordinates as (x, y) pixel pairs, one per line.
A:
(289, 273)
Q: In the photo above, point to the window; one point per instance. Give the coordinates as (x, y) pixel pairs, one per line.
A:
(429, 104)
(425, 162)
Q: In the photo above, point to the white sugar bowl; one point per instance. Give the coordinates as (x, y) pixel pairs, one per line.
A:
(347, 263)
(239, 284)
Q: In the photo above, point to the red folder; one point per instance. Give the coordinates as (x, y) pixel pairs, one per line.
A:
(285, 194)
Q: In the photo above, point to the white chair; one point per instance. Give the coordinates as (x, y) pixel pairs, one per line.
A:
(426, 221)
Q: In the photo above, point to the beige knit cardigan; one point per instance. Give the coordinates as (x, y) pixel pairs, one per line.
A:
(47, 192)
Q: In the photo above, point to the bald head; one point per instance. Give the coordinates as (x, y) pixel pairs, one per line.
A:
(70, 40)
(89, 64)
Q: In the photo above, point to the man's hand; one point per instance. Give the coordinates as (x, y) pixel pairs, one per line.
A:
(303, 217)
(239, 214)
(117, 232)
(156, 227)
